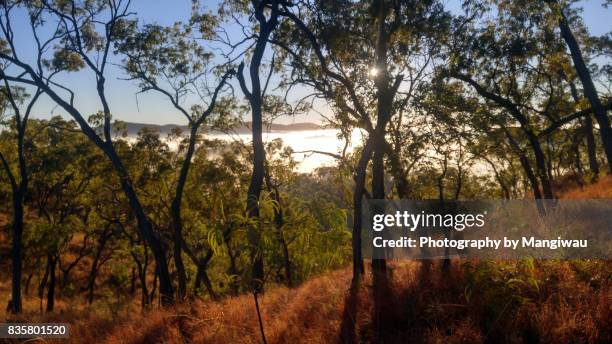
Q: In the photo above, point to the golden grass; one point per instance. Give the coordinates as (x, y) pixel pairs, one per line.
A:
(601, 189)
(422, 303)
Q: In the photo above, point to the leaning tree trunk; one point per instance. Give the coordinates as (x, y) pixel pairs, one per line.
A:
(145, 226)
(176, 214)
(531, 177)
(540, 160)
(588, 86)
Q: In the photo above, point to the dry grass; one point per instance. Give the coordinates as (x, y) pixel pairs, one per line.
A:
(601, 189)
(473, 302)
(309, 314)
(420, 302)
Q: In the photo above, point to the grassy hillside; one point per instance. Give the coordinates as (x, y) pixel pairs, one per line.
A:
(470, 302)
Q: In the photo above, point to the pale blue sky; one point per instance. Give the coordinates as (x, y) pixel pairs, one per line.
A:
(152, 108)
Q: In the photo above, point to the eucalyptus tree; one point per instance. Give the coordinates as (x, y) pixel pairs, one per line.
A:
(505, 63)
(262, 21)
(64, 165)
(173, 62)
(70, 36)
(366, 59)
(18, 105)
(566, 17)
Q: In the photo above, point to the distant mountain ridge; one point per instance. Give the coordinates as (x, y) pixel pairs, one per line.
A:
(133, 127)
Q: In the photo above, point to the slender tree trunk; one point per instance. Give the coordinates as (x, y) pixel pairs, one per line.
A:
(379, 264)
(202, 277)
(176, 213)
(588, 87)
(587, 125)
(43, 283)
(233, 269)
(28, 282)
(533, 181)
(91, 285)
(255, 97)
(52, 279)
(577, 161)
(459, 185)
(591, 146)
(146, 229)
(16, 252)
(360, 177)
(278, 223)
(540, 164)
(385, 94)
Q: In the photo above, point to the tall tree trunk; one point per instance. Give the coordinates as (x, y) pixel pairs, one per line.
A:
(588, 86)
(175, 211)
(176, 214)
(146, 229)
(360, 178)
(232, 269)
(379, 264)
(43, 283)
(93, 273)
(16, 252)
(19, 190)
(255, 98)
(385, 94)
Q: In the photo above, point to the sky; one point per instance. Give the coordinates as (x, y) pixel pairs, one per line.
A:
(126, 105)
